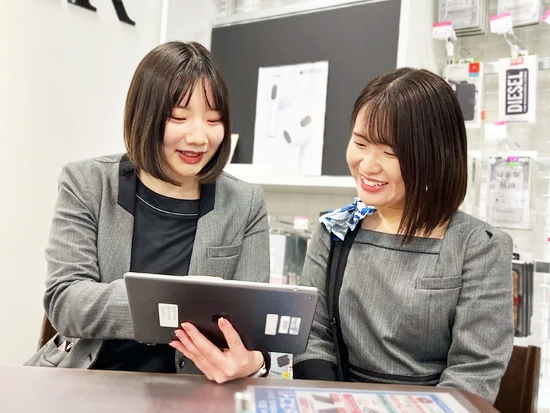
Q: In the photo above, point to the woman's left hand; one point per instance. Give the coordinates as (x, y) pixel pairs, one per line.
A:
(219, 366)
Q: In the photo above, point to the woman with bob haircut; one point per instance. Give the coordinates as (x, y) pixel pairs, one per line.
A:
(412, 290)
(165, 207)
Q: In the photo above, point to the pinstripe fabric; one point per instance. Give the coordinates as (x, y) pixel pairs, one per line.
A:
(433, 312)
(90, 246)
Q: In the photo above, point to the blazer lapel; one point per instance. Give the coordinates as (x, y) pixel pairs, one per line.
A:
(116, 242)
(208, 226)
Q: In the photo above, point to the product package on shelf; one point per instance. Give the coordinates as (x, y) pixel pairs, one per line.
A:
(469, 17)
(510, 192)
(466, 79)
(523, 12)
(517, 99)
(281, 365)
(287, 255)
(470, 205)
(523, 280)
(287, 252)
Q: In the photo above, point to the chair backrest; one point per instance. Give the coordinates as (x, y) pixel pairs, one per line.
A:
(519, 387)
(46, 333)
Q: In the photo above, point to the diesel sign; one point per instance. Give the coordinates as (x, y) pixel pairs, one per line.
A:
(517, 91)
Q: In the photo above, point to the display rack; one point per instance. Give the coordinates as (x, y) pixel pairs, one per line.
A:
(492, 68)
(288, 182)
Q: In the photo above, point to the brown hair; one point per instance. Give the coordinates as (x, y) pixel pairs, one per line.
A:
(164, 77)
(417, 114)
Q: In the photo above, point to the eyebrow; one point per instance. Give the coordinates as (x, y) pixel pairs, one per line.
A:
(187, 108)
(359, 135)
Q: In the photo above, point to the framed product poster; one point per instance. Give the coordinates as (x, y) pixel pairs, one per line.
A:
(290, 117)
(510, 192)
(517, 100)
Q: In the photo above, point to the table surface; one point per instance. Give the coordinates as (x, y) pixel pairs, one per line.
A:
(45, 390)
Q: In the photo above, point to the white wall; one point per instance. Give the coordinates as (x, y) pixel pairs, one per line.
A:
(64, 73)
(190, 20)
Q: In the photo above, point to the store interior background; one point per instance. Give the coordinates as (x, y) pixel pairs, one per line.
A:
(64, 74)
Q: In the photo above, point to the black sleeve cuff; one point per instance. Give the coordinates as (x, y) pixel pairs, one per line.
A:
(315, 370)
(267, 361)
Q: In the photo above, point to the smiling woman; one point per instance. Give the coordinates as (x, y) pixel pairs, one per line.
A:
(165, 207)
(411, 290)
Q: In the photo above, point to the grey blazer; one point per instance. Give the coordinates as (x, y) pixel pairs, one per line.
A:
(90, 247)
(432, 312)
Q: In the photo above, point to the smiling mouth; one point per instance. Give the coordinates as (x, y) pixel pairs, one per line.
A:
(191, 154)
(370, 183)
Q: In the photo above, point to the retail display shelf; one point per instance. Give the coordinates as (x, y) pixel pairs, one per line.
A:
(280, 179)
(493, 67)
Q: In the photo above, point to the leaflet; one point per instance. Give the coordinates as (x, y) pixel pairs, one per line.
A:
(266, 399)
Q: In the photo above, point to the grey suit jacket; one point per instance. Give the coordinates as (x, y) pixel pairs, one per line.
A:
(432, 312)
(90, 247)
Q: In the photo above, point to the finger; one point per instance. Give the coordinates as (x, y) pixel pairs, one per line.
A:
(178, 345)
(184, 338)
(206, 369)
(233, 339)
(204, 361)
(203, 346)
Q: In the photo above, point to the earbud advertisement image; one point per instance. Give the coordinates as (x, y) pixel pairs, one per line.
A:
(290, 117)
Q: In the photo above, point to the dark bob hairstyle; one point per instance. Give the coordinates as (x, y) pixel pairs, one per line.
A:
(167, 75)
(417, 114)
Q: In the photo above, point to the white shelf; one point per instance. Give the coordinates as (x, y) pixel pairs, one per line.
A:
(288, 181)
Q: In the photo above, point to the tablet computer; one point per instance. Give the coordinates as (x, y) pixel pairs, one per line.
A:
(268, 317)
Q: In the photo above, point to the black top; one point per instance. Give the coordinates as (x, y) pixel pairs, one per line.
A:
(164, 233)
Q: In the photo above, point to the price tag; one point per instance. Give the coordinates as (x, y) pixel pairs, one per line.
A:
(443, 31)
(512, 161)
(501, 23)
(546, 17)
(496, 131)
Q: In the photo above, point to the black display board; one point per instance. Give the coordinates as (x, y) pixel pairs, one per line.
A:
(359, 42)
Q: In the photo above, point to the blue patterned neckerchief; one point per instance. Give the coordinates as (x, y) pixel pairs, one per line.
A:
(339, 221)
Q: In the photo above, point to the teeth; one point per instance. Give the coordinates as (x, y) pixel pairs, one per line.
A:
(371, 183)
(190, 154)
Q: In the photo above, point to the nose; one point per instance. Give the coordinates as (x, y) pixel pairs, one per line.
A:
(370, 164)
(196, 135)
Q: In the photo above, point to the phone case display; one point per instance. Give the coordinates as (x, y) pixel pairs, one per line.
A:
(469, 17)
(510, 190)
(523, 12)
(290, 117)
(517, 97)
(466, 79)
(522, 282)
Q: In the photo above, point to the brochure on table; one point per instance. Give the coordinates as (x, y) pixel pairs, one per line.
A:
(290, 117)
(307, 400)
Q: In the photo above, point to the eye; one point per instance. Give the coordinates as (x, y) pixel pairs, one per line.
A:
(179, 118)
(390, 154)
(360, 145)
(214, 121)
